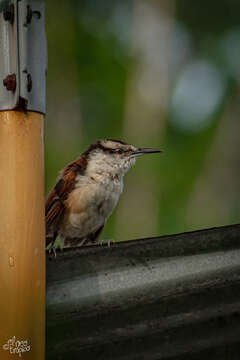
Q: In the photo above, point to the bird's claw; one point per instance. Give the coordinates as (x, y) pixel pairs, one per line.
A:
(108, 242)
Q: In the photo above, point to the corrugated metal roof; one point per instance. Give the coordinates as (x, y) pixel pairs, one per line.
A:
(172, 297)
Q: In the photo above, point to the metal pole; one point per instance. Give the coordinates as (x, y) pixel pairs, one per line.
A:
(22, 253)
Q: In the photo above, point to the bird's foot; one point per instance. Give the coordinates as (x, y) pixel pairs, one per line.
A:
(52, 249)
(108, 242)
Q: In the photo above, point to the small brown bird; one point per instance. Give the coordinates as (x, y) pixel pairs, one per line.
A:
(87, 192)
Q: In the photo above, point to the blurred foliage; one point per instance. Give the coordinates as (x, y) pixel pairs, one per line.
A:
(103, 67)
(95, 68)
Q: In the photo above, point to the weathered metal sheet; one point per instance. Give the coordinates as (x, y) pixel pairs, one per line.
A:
(23, 55)
(33, 54)
(173, 297)
(9, 92)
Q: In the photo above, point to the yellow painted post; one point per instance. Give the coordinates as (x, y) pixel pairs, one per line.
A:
(22, 254)
(23, 57)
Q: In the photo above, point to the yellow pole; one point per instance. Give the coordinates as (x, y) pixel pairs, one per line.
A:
(22, 254)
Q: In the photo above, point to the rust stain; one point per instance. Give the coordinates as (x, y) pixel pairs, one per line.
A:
(29, 82)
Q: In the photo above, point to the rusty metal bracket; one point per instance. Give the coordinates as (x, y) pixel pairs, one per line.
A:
(23, 55)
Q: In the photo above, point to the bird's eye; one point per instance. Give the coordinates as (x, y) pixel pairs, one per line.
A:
(119, 151)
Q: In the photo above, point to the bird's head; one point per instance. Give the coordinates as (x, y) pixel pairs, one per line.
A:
(114, 157)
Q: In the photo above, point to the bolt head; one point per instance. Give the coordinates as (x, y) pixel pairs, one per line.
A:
(8, 13)
(10, 82)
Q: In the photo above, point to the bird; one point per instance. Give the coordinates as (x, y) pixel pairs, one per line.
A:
(87, 191)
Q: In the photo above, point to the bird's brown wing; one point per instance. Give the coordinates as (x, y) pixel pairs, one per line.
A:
(54, 208)
(55, 203)
(54, 212)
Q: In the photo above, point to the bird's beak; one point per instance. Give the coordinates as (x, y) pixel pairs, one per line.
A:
(142, 151)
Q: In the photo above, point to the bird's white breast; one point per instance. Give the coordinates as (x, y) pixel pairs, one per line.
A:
(90, 204)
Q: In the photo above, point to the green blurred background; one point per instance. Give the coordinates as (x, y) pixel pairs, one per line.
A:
(156, 74)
